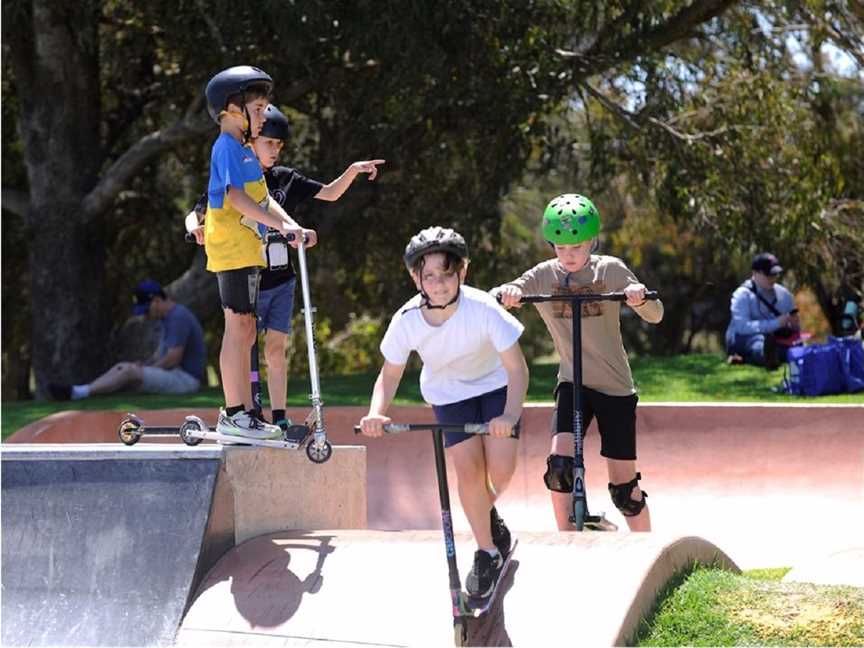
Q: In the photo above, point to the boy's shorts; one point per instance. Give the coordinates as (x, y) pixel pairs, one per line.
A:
(479, 409)
(238, 289)
(616, 419)
(276, 307)
(155, 380)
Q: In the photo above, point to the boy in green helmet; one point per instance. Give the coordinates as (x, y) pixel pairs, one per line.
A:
(571, 225)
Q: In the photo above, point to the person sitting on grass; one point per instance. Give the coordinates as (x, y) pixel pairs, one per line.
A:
(177, 366)
(764, 322)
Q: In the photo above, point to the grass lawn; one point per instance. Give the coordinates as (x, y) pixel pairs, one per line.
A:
(711, 607)
(696, 377)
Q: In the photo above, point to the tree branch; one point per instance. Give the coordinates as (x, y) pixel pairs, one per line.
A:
(607, 54)
(139, 154)
(16, 201)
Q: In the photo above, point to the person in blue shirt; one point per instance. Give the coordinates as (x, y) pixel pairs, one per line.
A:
(763, 314)
(177, 366)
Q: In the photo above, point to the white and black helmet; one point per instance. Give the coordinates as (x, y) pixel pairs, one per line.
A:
(435, 239)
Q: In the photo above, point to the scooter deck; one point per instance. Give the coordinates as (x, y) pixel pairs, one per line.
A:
(228, 439)
(477, 607)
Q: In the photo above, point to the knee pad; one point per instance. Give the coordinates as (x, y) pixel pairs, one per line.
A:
(559, 473)
(621, 497)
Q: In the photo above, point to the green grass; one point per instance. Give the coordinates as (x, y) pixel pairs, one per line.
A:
(696, 377)
(711, 607)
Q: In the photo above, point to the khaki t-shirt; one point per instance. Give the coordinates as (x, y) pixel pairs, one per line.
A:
(604, 360)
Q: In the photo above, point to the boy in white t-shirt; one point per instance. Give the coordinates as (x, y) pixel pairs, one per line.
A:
(473, 372)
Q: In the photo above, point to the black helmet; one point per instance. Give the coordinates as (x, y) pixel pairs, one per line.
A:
(276, 124)
(233, 81)
(435, 239)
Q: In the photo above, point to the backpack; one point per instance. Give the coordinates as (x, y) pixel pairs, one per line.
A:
(835, 367)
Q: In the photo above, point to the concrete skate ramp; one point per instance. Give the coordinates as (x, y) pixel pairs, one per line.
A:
(390, 589)
(104, 546)
(773, 485)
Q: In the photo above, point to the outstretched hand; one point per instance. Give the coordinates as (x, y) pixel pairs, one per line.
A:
(368, 166)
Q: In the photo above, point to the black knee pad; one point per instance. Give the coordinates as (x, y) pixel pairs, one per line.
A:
(559, 473)
(621, 497)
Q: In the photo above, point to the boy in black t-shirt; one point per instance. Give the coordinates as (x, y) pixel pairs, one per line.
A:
(288, 188)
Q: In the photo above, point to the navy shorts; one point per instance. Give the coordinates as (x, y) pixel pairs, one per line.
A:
(276, 307)
(479, 409)
(616, 419)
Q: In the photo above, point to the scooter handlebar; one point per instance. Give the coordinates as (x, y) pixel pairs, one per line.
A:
(585, 297)
(467, 428)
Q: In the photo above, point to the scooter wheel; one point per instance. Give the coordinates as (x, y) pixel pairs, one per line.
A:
(319, 454)
(129, 430)
(186, 428)
(460, 631)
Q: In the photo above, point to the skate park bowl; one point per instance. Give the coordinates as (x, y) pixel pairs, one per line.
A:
(759, 485)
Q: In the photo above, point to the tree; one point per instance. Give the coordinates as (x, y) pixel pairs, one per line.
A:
(107, 101)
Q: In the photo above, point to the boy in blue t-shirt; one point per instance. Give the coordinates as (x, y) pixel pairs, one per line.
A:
(289, 188)
(237, 202)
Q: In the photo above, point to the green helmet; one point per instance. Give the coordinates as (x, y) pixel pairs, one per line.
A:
(570, 219)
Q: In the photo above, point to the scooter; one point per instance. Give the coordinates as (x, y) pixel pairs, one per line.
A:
(311, 434)
(464, 607)
(580, 516)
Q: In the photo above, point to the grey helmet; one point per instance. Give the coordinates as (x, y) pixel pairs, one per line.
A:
(435, 239)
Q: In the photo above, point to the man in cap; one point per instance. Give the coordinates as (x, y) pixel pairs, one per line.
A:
(763, 313)
(177, 366)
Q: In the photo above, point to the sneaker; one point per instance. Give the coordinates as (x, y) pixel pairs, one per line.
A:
(484, 574)
(59, 392)
(500, 533)
(246, 424)
(734, 359)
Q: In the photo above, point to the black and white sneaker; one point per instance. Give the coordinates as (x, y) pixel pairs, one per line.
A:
(484, 574)
(246, 425)
(500, 533)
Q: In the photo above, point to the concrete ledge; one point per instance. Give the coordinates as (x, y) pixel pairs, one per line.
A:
(276, 490)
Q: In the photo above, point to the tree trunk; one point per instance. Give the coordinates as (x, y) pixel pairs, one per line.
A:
(55, 53)
(71, 317)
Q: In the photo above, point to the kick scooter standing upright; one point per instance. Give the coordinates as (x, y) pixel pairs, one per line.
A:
(579, 515)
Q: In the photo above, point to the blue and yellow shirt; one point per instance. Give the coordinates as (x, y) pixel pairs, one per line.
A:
(231, 240)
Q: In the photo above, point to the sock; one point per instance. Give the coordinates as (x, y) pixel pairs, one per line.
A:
(80, 391)
(278, 415)
(492, 552)
(234, 409)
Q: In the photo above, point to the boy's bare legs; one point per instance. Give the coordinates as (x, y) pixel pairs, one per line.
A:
(235, 357)
(621, 472)
(482, 462)
(123, 375)
(470, 463)
(562, 503)
(275, 345)
(500, 464)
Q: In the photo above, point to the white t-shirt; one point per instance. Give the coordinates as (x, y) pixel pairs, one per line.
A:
(460, 357)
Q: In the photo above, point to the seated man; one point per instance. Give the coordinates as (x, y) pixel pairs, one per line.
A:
(763, 314)
(177, 366)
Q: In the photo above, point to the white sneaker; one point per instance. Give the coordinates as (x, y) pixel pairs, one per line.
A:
(246, 424)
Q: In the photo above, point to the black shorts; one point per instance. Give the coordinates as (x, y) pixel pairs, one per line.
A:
(616, 419)
(238, 289)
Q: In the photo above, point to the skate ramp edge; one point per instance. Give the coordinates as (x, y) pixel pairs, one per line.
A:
(104, 544)
(390, 589)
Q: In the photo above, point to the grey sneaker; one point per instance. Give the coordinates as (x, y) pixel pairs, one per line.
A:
(246, 424)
